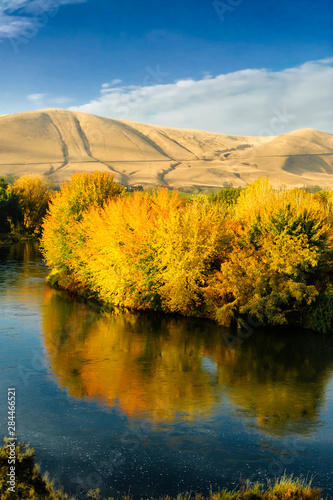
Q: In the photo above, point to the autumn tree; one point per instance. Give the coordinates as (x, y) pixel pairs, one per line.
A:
(119, 258)
(191, 243)
(281, 243)
(34, 193)
(150, 251)
(60, 228)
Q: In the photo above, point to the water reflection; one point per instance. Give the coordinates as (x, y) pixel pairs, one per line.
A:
(22, 275)
(167, 368)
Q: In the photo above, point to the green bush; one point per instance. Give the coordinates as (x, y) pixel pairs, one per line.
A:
(320, 317)
(227, 196)
(10, 210)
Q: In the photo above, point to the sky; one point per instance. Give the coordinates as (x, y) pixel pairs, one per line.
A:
(240, 67)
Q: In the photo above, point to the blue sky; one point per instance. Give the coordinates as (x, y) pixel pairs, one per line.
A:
(233, 66)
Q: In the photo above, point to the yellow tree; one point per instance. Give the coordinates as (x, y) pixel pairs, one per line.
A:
(34, 193)
(61, 235)
(190, 242)
(118, 258)
(151, 251)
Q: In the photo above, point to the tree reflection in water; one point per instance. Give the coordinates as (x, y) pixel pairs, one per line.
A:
(164, 368)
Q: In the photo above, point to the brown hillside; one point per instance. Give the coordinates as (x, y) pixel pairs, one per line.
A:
(59, 143)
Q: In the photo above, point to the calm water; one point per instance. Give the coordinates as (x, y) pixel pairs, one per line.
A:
(151, 404)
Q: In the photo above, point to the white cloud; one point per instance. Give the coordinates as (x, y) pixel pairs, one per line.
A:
(12, 26)
(26, 17)
(247, 102)
(36, 97)
(116, 81)
(106, 86)
(49, 100)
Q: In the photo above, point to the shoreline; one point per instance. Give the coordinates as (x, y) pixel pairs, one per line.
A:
(28, 481)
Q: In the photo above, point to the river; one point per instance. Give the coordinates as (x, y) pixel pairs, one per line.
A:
(151, 404)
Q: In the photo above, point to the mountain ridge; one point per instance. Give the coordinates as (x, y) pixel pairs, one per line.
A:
(58, 143)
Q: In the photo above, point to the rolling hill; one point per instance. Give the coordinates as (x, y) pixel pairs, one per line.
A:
(58, 143)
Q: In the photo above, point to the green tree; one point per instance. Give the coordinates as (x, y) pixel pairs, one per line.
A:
(10, 210)
(227, 196)
(3, 183)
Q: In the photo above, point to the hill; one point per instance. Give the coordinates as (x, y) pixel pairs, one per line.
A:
(58, 143)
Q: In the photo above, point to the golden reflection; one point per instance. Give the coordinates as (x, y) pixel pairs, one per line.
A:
(166, 368)
(278, 379)
(127, 360)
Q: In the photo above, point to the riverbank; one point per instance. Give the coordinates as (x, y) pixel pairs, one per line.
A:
(29, 483)
(8, 240)
(5, 240)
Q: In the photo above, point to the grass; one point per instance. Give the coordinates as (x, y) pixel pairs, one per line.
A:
(284, 488)
(30, 484)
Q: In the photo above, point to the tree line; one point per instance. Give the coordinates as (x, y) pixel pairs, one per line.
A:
(253, 251)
